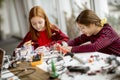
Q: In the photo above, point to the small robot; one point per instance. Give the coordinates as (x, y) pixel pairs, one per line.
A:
(113, 62)
(9, 62)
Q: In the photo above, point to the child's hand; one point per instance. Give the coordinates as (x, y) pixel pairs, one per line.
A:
(64, 49)
(28, 43)
(40, 53)
(55, 46)
(67, 48)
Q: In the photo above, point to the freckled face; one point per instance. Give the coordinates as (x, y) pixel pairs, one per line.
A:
(38, 23)
(88, 30)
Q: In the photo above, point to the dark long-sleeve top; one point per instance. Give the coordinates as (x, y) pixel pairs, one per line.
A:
(106, 41)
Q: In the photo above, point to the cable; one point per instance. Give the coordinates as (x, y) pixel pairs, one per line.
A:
(117, 77)
(24, 70)
(59, 63)
(20, 71)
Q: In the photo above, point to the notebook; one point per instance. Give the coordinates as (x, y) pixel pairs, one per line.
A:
(5, 74)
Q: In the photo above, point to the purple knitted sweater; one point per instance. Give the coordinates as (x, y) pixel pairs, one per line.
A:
(106, 41)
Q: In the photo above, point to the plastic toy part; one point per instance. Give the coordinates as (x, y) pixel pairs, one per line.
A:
(80, 69)
(37, 59)
(9, 62)
(54, 73)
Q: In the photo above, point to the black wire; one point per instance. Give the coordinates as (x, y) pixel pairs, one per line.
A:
(24, 70)
(20, 71)
(59, 58)
(117, 77)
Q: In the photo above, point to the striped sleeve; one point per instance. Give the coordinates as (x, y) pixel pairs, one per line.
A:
(105, 39)
(79, 40)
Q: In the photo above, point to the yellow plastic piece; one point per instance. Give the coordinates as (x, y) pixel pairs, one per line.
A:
(35, 63)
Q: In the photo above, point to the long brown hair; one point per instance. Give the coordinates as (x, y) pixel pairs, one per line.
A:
(38, 11)
(88, 17)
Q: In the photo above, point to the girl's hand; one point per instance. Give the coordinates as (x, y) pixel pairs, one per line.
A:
(28, 43)
(55, 46)
(68, 48)
(40, 53)
(64, 49)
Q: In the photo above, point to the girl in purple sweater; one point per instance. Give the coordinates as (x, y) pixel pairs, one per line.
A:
(101, 35)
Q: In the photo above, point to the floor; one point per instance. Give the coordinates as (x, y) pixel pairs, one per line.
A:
(9, 45)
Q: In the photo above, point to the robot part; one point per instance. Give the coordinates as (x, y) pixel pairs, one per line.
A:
(9, 62)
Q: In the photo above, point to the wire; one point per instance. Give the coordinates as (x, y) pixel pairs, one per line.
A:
(20, 71)
(56, 60)
(117, 77)
(24, 70)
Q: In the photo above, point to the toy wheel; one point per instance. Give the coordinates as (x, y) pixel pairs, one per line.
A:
(14, 65)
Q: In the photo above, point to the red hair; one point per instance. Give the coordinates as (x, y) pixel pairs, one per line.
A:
(38, 11)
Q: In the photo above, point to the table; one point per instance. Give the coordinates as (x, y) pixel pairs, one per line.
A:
(94, 66)
(42, 74)
(39, 74)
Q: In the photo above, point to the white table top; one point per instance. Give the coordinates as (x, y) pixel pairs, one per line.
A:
(95, 65)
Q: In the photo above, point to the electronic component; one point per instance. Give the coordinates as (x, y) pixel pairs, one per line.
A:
(36, 60)
(91, 73)
(80, 69)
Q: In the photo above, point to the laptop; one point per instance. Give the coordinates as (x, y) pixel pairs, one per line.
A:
(5, 74)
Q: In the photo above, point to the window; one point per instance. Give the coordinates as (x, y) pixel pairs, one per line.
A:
(113, 16)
